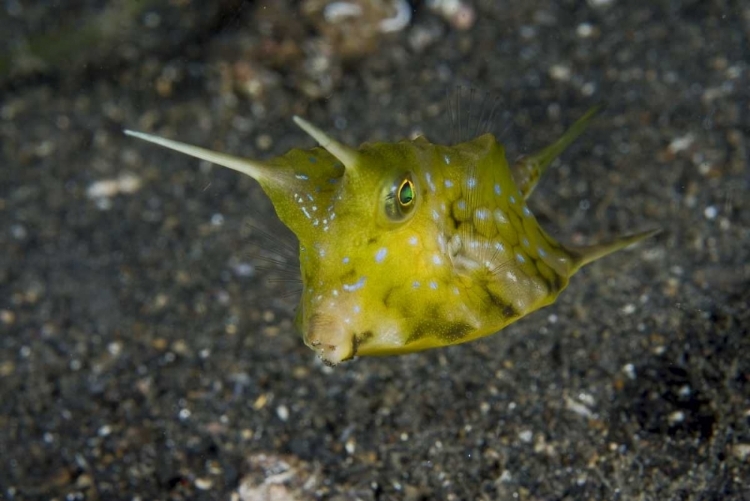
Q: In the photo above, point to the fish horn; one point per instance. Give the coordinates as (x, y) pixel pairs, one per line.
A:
(583, 255)
(343, 153)
(529, 169)
(256, 170)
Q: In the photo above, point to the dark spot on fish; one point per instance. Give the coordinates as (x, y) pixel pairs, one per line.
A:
(557, 284)
(349, 276)
(313, 160)
(360, 339)
(328, 363)
(453, 332)
(452, 217)
(373, 240)
(507, 309)
(448, 332)
(387, 297)
(553, 283)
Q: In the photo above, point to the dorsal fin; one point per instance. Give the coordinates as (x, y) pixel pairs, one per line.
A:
(472, 112)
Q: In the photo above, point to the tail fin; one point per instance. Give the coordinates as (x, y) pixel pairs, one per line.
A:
(529, 169)
(583, 255)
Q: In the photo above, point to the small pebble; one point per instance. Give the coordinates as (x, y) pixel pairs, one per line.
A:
(282, 412)
(204, 484)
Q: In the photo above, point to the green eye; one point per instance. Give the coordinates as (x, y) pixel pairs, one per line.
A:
(406, 193)
(400, 198)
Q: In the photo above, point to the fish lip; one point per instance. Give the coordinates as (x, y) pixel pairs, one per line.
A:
(328, 337)
(333, 355)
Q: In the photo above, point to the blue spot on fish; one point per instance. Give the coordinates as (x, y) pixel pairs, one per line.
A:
(355, 286)
(380, 255)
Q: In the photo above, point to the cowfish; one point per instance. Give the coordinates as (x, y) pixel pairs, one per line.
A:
(412, 245)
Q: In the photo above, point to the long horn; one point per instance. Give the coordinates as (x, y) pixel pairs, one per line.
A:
(256, 170)
(345, 154)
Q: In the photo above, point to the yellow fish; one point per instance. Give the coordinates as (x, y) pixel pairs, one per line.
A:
(412, 245)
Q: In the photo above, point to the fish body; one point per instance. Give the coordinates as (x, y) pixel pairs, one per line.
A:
(413, 245)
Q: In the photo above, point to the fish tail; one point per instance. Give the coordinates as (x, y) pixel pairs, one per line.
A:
(583, 255)
(529, 169)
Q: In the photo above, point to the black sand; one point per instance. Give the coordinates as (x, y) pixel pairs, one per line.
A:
(143, 354)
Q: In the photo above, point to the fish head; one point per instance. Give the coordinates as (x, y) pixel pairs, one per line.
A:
(391, 270)
(362, 256)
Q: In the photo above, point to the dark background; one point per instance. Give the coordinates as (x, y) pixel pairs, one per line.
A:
(145, 353)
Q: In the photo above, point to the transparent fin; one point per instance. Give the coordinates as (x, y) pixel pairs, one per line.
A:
(529, 169)
(473, 112)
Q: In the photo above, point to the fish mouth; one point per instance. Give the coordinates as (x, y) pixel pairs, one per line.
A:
(328, 337)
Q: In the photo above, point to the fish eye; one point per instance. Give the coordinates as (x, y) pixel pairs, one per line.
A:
(406, 193)
(400, 198)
